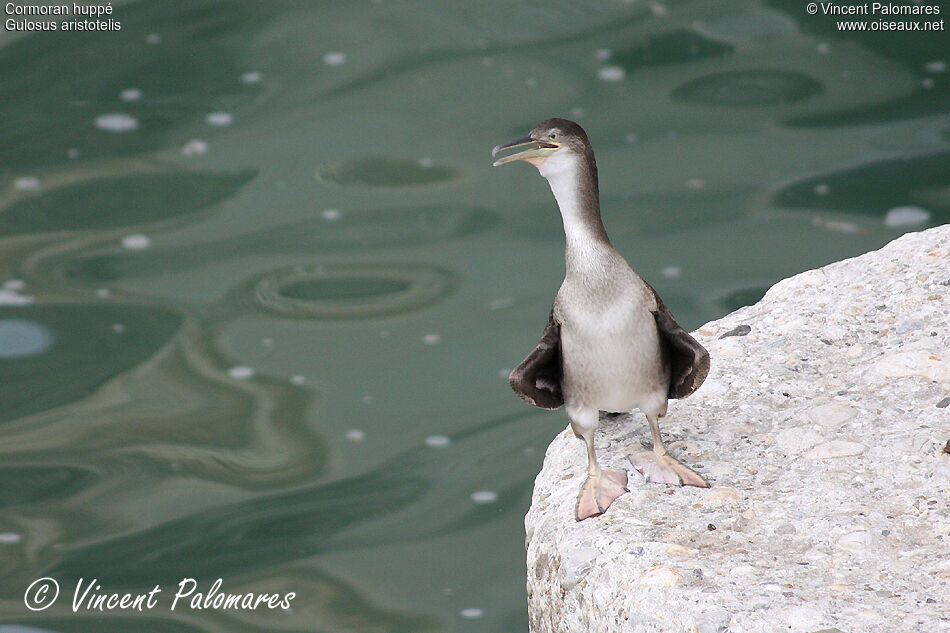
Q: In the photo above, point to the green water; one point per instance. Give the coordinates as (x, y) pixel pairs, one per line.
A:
(262, 287)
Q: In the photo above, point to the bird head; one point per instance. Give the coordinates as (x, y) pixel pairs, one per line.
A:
(551, 145)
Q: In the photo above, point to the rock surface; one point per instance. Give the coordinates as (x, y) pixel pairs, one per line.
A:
(821, 435)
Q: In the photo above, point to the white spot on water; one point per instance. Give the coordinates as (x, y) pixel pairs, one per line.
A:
(488, 61)
(117, 122)
(531, 82)
(355, 435)
(426, 163)
(438, 441)
(927, 83)
(603, 54)
(335, 58)
(251, 78)
(672, 272)
(153, 38)
(484, 496)
(835, 225)
(27, 183)
(131, 94)
(368, 400)
(822, 189)
(528, 451)
(631, 138)
(504, 373)
(219, 119)
(611, 73)
(577, 112)
(331, 214)
(501, 304)
(267, 341)
(906, 216)
(298, 380)
(118, 328)
(14, 284)
(241, 372)
(431, 339)
(136, 242)
(936, 66)
(10, 538)
(20, 338)
(472, 613)
(194, 147)
(72, 153)
(695, 183)
(823, 48)
(13, 298)
(103, 293)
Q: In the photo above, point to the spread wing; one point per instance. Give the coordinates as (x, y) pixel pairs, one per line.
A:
(689, 361)
(538, 378)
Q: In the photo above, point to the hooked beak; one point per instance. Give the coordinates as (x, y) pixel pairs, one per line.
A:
(535, 155)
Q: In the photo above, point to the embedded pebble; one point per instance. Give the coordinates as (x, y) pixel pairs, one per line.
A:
(739, 330)
(835, 448)
(831, 415)
(576, 564)
(855, 542)
(928, 364)
(796, 441)
(661, 576)
(720, 495)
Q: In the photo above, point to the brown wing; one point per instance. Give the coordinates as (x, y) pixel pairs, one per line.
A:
(538, 378)
(689, 361)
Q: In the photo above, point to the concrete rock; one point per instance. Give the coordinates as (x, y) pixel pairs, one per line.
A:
(819, 433)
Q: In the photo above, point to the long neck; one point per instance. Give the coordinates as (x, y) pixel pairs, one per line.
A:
(574, 184)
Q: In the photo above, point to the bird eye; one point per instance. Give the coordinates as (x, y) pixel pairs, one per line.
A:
(553, 134)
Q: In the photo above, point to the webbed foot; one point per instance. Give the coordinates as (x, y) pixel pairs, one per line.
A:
(665, 470)
(598, 492)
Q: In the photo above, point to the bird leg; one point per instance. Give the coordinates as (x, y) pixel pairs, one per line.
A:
(659, 467)
(602, 486)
